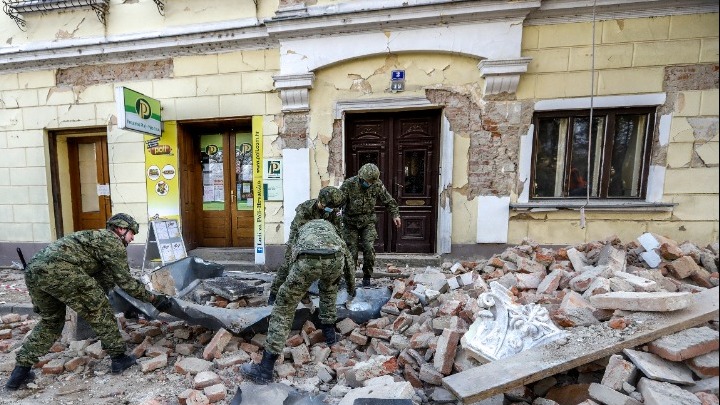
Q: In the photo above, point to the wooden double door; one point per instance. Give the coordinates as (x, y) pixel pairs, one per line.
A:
(217, 196)
(405, 146)
(89, 181)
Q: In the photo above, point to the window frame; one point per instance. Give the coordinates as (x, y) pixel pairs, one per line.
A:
(605, 159)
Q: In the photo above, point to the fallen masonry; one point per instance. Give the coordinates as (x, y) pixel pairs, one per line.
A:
(417, 349)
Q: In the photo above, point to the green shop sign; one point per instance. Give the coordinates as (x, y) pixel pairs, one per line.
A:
(137, 112)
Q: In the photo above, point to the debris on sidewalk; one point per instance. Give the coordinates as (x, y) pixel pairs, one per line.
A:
(434, 326)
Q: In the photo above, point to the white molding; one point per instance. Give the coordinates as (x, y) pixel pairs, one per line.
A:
(375, 104)
(294, 91)
(583, 103)
(575, 11)
(502, 75)
(444, 215)
(525, 163)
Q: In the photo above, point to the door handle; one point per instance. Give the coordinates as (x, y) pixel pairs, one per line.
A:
(232, 196)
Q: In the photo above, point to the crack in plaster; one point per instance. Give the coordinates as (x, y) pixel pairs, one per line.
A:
(62, 34)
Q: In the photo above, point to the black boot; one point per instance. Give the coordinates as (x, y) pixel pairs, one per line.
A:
(271, 298)
(121, 363)
(20, 375)
(260, 373)
(331, 337)
(366, 282)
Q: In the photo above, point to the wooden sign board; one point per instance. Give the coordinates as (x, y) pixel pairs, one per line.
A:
(164, 244)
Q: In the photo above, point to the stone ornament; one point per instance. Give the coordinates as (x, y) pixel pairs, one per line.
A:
(504, 328)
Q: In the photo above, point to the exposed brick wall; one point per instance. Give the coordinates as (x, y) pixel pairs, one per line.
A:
(687, 78)
(294, 129)
(494, 128)
(111, 73)
(335, 147)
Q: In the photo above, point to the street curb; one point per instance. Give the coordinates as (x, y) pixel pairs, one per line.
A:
(21, 309)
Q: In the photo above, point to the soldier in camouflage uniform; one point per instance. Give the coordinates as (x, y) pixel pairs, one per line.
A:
(324, 207)
(78, 270)
(319, 253)
(359, 219)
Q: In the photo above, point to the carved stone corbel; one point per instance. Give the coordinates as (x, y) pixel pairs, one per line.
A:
(504, 328)
(502, 75)
(294, 91)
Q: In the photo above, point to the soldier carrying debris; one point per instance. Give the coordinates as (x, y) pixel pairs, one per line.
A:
(78, 270)
(361, 192)
(318, 253)
(324, 207)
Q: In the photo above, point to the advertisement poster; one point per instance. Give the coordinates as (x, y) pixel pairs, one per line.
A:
(258, 202)
(161, 180)
(137, 112)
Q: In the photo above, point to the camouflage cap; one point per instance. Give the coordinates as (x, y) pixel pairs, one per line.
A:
(331, 197)
(369, 172)
(122, 220)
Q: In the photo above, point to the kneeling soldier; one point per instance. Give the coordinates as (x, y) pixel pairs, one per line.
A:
(319, 253)
(78, 270)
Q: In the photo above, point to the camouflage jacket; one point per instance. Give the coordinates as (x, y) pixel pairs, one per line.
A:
(360, 206)
(320, 236)
(308, 211)
(98, 253)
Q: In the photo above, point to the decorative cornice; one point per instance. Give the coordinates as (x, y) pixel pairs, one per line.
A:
(297, 22)
(294, 91)
(385, 103)
(357, 16)
(502, 76)
(169, 42)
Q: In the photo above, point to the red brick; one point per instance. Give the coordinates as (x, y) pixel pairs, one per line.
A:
(683, 267)
(686, 344)
(215, 393)
(445, 351)
(358, 338)
(214, 349)
(412, 377)
(379, 333)
(295, 340)
(56, 366)
(75, 363)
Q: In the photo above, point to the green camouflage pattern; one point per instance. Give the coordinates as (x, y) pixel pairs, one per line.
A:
(318, 236)
(359, 218)
(78, 270)
(304, 212)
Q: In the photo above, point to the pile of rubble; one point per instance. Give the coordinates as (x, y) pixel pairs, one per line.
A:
(441, 322)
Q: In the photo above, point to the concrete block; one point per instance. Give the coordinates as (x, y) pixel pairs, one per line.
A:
(638, 283)
(666, 52)
(191, 365)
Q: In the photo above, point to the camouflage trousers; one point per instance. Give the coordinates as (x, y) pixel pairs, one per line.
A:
(362, 238)
(51, 288)
(282, 272)
(304, 271)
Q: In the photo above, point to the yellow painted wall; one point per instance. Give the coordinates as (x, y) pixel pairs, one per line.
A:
(630, 58)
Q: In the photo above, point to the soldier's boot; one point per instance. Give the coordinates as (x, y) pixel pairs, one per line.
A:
(122, 363)
(271, 298)
(20, 375)
(329, 332)
(261, 373)
(366, 282)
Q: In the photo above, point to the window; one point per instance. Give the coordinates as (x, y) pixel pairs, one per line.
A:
(618, 147)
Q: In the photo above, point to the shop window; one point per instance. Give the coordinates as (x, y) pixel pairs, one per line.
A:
(618, 147)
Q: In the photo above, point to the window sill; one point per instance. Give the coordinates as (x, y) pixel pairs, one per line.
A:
(605, 205)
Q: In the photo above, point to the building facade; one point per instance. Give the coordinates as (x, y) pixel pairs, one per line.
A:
(491, 121)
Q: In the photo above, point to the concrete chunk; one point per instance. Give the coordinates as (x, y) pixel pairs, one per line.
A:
(703, 366)
(662, 393)
(657, 368)
(398, 390)
(642, 301)
(617, 372)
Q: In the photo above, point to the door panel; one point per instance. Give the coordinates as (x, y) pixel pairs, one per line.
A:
(226, 218)
(89, 174)
(404, 145)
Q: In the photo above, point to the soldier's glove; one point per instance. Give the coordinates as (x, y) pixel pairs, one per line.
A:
(161, 302)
